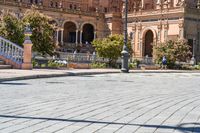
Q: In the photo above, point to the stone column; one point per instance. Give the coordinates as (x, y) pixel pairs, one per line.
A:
(198, 4)
(181, 30)
(57, 36)
(140, 38)
(158, 4)
(62, 30)
(169, 3)
(142, 4)
(76, 36)
(27, 57)
(81, 34)
(135, 6)
(133, 37)
(95, 34)
(166, 32)
(159, 32)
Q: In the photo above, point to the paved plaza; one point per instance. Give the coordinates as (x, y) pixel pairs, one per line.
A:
(108, 103)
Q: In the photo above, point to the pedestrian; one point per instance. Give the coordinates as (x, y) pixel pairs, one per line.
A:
(164, 62)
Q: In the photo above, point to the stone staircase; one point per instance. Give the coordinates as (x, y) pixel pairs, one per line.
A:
(4, 66)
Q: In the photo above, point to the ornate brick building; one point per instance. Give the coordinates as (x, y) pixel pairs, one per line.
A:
(78, 21)
(149, 21)
(154, 21)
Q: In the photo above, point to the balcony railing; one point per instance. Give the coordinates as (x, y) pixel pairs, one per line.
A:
(157, 12)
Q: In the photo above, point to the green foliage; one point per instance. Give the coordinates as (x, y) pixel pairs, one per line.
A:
(98, 65)
(197, 67)
(134, 64)
(43, 40)
(35, 63)
(173, 50)
(12, 28)
(110, 47)
(42, 32)
(54, 64)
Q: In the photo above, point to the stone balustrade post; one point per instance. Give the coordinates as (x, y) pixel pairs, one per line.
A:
(27, 56)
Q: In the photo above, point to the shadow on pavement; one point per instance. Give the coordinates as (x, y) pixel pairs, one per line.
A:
(12, 83)
(189, 127)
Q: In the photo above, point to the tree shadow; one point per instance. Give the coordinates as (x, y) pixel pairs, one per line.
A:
(184, 127)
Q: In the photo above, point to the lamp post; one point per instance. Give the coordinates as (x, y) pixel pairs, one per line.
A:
(125, 54)
(27, 34)
(193, 60)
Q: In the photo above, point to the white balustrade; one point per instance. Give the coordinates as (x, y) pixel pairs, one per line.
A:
(11, 51)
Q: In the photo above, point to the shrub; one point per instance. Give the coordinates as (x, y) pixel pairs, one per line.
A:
(35, 63)
(42, 32)
(173, 50)
(132, 65)
(98, 65)
(110, 47)
(197, 67)
(55, 64)
(12, 28)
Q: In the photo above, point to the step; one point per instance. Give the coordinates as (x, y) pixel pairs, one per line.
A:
(5, 66)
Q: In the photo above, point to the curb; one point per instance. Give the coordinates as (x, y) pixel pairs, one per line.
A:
(88, 73)
(164, 71)
(54, 75)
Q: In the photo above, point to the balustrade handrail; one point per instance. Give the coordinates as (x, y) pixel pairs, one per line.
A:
(1, 38)
(83, 57)
(11, 51)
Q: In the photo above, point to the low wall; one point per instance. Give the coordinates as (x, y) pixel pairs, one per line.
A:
(79, 65)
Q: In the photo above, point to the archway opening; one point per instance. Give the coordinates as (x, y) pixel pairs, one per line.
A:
(88, 33)
(69, 33)
(148, 46)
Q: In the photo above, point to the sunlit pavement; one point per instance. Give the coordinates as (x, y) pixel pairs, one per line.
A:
(120, 103)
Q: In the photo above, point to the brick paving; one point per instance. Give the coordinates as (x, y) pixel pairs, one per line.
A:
(109, 103)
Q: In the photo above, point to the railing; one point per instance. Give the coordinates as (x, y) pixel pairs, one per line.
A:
(71, 47)
(81, 57)
(11, 51)
(145, 60)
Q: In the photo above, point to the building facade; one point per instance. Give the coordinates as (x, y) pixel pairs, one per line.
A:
(156, 21)
(78, 22)
(149, 21)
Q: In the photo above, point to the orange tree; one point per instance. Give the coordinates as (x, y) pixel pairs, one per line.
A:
(11, 27)
(42, 31)
(110, 47)
(178, 50)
